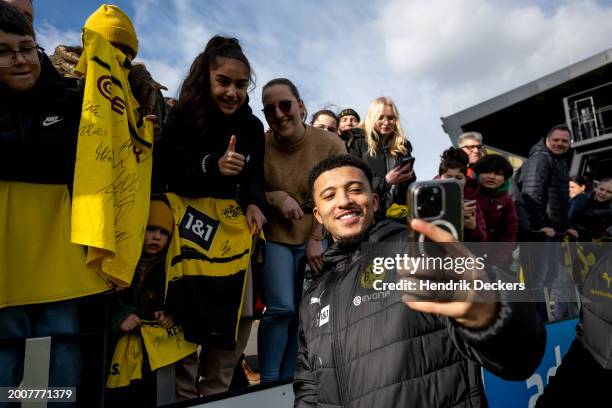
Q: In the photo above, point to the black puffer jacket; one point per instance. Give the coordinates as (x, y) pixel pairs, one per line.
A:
(595, 325)
(38, 130)
(364, 348)
(188, 157)
(544, 185)
(380, 165)
(591, 218)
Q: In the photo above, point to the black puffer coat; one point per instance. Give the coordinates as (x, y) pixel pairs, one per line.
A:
(38, 130)
(544, 185)
(595, 325)
(591, 218)
(364, 348)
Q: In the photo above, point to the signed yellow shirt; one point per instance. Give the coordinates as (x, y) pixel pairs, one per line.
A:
(112, 177)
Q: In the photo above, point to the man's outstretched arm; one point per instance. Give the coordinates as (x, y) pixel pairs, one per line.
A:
(508, 339)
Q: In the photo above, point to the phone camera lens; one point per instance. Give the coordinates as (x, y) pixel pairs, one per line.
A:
(429, 202)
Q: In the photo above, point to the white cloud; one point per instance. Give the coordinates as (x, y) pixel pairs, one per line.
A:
(49, 37)
(475, 49)
(433, 58)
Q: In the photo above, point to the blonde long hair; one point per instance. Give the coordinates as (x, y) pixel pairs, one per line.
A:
(397, 139)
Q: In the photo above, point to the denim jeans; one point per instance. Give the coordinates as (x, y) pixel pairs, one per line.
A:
(47, 319)
(277, 336)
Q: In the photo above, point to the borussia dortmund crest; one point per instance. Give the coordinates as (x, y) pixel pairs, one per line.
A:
(368, 277)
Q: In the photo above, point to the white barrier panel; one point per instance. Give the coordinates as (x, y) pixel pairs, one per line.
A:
(275, 397)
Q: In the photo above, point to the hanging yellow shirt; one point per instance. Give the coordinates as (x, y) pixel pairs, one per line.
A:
(126, 364)
(112, 177)
(206, 267)
(163, 347)
(38, 263)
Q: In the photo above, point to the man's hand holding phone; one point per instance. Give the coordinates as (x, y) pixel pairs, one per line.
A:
(475, 310)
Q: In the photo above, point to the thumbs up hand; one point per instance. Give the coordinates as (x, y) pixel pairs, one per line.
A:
(231, 163)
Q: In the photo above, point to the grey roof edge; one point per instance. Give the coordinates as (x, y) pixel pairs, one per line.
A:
(528, 90)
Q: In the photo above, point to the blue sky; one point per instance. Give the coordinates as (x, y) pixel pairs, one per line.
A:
(433, 58)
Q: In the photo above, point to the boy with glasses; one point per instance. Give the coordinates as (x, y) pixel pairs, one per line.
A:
(42, 272)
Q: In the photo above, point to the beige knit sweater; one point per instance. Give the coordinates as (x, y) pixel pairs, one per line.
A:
(286, 170)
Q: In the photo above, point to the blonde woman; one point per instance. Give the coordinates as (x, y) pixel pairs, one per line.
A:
(386, 151)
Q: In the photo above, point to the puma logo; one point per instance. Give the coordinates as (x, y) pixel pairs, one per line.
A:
(314, 300)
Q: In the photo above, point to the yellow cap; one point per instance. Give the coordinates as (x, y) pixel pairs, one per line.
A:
(114, 25)
(160, 215)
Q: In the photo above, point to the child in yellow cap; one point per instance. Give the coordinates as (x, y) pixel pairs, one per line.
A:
(144, 299)
(114, 25)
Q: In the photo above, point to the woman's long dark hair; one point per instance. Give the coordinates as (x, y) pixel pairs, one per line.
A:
(194, 100)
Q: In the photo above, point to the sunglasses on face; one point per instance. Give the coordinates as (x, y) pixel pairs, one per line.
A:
(270, 109)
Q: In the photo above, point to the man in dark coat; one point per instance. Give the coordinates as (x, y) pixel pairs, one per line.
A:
(544, 184)
(360, 347)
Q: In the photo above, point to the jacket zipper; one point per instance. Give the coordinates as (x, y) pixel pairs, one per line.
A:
(336, 348)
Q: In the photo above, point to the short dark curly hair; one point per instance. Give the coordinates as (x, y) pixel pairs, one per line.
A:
(493, 163)
(12, 21)
(335, 162)
(454, 158)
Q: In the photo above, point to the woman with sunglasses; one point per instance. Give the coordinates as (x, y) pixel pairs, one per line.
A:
(387, 151)
(292, 150)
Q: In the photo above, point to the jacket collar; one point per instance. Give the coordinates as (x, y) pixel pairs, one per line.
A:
(340, 252)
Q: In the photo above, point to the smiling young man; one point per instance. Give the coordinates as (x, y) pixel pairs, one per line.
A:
(363, 348)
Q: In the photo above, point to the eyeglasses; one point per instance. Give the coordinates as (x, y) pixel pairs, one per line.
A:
(30, 54)
(472, 147)
(284, 106)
